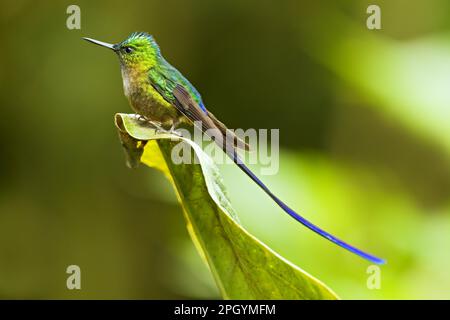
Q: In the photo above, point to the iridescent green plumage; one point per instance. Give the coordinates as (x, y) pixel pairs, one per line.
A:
(149, 80)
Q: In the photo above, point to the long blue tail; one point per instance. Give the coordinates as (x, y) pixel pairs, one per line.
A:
(299, 218)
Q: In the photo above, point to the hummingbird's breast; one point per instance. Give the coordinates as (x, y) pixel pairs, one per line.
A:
(144, 99)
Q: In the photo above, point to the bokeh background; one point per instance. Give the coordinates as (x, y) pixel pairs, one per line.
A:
(364, 119)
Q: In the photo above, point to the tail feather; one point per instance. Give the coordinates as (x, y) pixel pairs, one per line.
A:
(230, 150)
(233, 155)
(237, 142)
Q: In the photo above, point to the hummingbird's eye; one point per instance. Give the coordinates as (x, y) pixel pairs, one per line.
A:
(128, 49)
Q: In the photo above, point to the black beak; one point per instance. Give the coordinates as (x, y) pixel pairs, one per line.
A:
(100, 43)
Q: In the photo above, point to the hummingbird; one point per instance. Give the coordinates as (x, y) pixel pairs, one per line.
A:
(161, 95)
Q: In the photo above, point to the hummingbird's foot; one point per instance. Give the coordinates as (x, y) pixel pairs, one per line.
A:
(159, 128)
(142, 118)
(173, 131)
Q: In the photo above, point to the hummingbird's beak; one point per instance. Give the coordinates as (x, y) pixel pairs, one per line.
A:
(100, 43)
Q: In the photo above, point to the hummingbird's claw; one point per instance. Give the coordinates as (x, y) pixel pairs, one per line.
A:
(173, 130)
(159, 128)
(157, 125)
(176, 133)
(142, 118)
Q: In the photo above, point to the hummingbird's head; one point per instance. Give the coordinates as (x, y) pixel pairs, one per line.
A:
(139, 50)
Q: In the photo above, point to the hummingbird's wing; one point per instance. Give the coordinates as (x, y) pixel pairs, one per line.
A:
(176, 93)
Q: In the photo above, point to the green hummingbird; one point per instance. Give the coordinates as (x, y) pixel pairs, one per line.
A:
(160, 94)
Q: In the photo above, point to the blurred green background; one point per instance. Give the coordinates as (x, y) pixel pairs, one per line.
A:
(364, 119)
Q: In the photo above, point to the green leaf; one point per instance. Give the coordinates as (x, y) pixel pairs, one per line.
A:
(242, 266)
